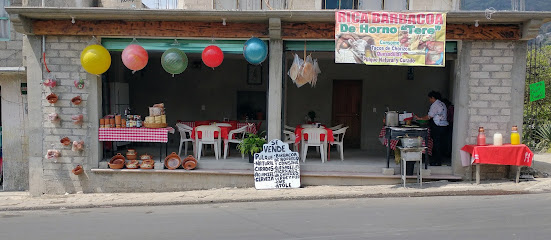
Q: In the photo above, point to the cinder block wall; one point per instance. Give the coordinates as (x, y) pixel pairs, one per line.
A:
(11, 53)
(495, 72)
(63, 59)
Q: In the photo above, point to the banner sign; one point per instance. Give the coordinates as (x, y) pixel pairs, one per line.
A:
(390, 38)
(537, 91)
(276, 166)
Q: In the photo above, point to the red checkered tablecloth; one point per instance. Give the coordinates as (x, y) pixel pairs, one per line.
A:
(394, 142)
(134, 134)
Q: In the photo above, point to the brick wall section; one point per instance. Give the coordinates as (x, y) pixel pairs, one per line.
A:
(490, 89)
(11, 52)
(490, 102)
(63, 59)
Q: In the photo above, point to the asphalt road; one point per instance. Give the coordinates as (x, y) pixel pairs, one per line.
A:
(464, 217)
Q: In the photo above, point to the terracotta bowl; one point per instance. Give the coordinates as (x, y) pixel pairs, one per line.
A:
(76, 100)
(78, 170)
(117, 161)
(52, 98)
(189, 163)
(65, 141)
(172, 161)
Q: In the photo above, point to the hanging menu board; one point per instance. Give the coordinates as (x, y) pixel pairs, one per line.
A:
(276, 166)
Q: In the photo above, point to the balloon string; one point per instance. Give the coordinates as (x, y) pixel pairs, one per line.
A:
(44, 58)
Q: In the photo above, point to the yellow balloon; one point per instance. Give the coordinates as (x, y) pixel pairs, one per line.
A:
(95, 59)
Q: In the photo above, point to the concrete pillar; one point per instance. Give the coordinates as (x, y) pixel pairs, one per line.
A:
(275, 87)
(461, 104)
(31, 52)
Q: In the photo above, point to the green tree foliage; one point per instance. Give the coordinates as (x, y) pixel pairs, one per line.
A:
(537, 113)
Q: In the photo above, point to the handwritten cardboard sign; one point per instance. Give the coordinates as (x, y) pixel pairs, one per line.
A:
(537, 91)
(276, 166)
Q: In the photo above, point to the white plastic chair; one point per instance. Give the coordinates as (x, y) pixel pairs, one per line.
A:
(339, 139)
(290, 139)
(288, 128)
(207, 137)
(240, 132)
(314, 139)
(336, 127)
(223, 124)
(185, 137)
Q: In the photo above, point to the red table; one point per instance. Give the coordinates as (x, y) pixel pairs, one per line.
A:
(507, 154)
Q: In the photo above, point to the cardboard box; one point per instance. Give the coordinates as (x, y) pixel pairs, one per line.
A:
(121, 3)
(405, 116)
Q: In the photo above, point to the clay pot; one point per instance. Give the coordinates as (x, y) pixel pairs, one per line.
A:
(133, 164)
(131, 154)
(189, 163)
(117, 162)
(52, 98)
(172, 161)
(78, 170)
(65, 141)
(147, 164)
(76, 100)
(146, 157)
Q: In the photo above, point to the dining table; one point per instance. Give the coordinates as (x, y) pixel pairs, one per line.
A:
(507, 154)
(298, 137)
(143, 134)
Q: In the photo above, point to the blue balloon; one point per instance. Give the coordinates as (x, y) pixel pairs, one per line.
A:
(255, 51)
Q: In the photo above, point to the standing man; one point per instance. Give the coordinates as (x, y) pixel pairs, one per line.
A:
(438, 125)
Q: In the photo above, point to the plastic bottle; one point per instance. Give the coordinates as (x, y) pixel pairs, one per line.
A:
(498, 139)
(481, 139)
(515, 137)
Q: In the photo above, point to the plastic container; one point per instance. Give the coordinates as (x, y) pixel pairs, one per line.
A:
(515, 137)
(481, 139)
(498, 139)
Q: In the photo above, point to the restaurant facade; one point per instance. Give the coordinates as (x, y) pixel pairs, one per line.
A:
(483, 77)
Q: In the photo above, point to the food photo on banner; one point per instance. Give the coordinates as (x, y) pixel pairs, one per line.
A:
(390, 38)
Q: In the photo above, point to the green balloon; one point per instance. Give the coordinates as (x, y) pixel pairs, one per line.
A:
(174, 61)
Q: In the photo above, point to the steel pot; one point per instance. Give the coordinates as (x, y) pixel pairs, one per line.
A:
(391, 119)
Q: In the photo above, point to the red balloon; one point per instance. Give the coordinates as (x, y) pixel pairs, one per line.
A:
(212, 56)
(134, 57)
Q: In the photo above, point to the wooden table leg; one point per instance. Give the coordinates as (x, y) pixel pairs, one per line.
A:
(477, 173)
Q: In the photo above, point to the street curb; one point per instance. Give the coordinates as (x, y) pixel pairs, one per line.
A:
(492, 192)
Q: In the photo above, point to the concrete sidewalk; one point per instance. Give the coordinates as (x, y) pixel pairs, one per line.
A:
(18, 201)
